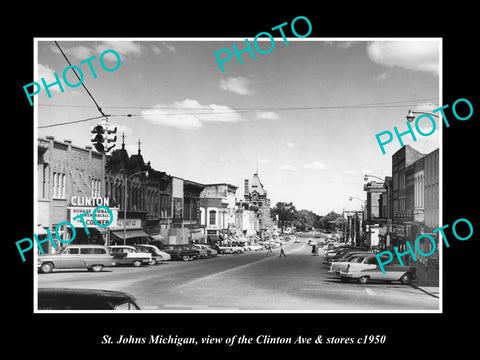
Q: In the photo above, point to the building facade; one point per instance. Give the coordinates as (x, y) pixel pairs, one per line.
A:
(70, 181)
(217, 211)
(255, 199)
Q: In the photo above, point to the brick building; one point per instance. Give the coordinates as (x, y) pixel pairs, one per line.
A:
(147, 205)
(70, 180)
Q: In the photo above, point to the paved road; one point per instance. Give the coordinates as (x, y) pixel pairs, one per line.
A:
(253, 281)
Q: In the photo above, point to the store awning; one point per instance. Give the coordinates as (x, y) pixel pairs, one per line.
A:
(130, 233)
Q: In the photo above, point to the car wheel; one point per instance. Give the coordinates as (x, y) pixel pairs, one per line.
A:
(46, 267)
(406, 279)
(152, 262)
(137, 263)
(191, 258)
(363, 280)
(96, 268)
(185, 257)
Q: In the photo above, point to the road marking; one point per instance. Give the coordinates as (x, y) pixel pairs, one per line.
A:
(224, 272)
(369, 291)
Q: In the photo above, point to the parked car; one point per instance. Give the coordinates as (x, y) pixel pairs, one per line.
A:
(233, 249)
(253, 247)
(210, 252)
(90, 257)
(128, 255)
(370, 270)
(158, 256)
(344, 250)
(181, 252)
(337, 266)
(202, 252)
(85, 299)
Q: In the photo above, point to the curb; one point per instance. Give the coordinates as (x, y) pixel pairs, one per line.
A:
(425, 291)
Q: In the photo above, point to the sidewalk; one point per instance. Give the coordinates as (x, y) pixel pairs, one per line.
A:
(427, 280)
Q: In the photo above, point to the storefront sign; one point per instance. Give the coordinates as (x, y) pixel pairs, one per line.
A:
(130, 223)
(89, 201)
(102, 216)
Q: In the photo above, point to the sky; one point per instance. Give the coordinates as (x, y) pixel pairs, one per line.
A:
(305, 114)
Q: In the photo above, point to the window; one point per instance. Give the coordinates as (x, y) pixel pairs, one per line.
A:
(126, 306)
(85, 251)
(59, 180)
(73, 251)
(212, 216)
(99, 251)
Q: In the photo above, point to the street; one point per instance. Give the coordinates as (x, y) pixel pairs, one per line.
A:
(252, 281)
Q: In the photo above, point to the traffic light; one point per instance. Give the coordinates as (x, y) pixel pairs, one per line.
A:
(103, 135)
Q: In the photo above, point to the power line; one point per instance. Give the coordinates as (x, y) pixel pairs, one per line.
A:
(81, 80)
(71, 122)
(385, 104)
(209, 111)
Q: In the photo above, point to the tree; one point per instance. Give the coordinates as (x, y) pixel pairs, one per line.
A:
(328, 222)
(285, 211)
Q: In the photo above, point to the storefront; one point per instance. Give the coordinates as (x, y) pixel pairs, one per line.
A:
(86, 229)
(128, 232)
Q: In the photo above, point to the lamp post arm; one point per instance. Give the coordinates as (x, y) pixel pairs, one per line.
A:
(426, 113)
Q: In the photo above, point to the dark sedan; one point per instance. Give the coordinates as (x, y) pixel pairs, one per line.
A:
(85, 299)
(181, 252)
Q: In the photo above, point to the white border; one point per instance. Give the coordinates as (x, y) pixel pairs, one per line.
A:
(333, 39)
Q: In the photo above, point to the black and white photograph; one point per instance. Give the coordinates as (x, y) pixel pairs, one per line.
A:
(295, 182)
(232, 185)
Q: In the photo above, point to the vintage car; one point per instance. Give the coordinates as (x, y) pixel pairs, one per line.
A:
(128, 255)
(210, 252)
(233, 249)
(158, 256)
(337, 266)
(370, 270)
(202, 252)
(254, 247)
(85, 299)
(90, 257)
(181, 252)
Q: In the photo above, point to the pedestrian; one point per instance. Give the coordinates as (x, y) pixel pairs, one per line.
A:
(269, 248)
(282, 252)
(314, 249)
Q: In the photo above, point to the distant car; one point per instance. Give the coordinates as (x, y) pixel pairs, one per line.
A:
(128, 255)
(297, 240)
(181, 252)
(90, 257)
(233, 249)
(254, 247)
(85, 299)
(158, 256)
(211, 252)
(370, 270)
(202, 252)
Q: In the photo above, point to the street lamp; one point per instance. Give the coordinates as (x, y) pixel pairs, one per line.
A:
(353, 197)
(367, 176)
(410, 116)
(125, 203)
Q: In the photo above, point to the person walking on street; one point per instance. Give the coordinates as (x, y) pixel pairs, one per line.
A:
(282, 252)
